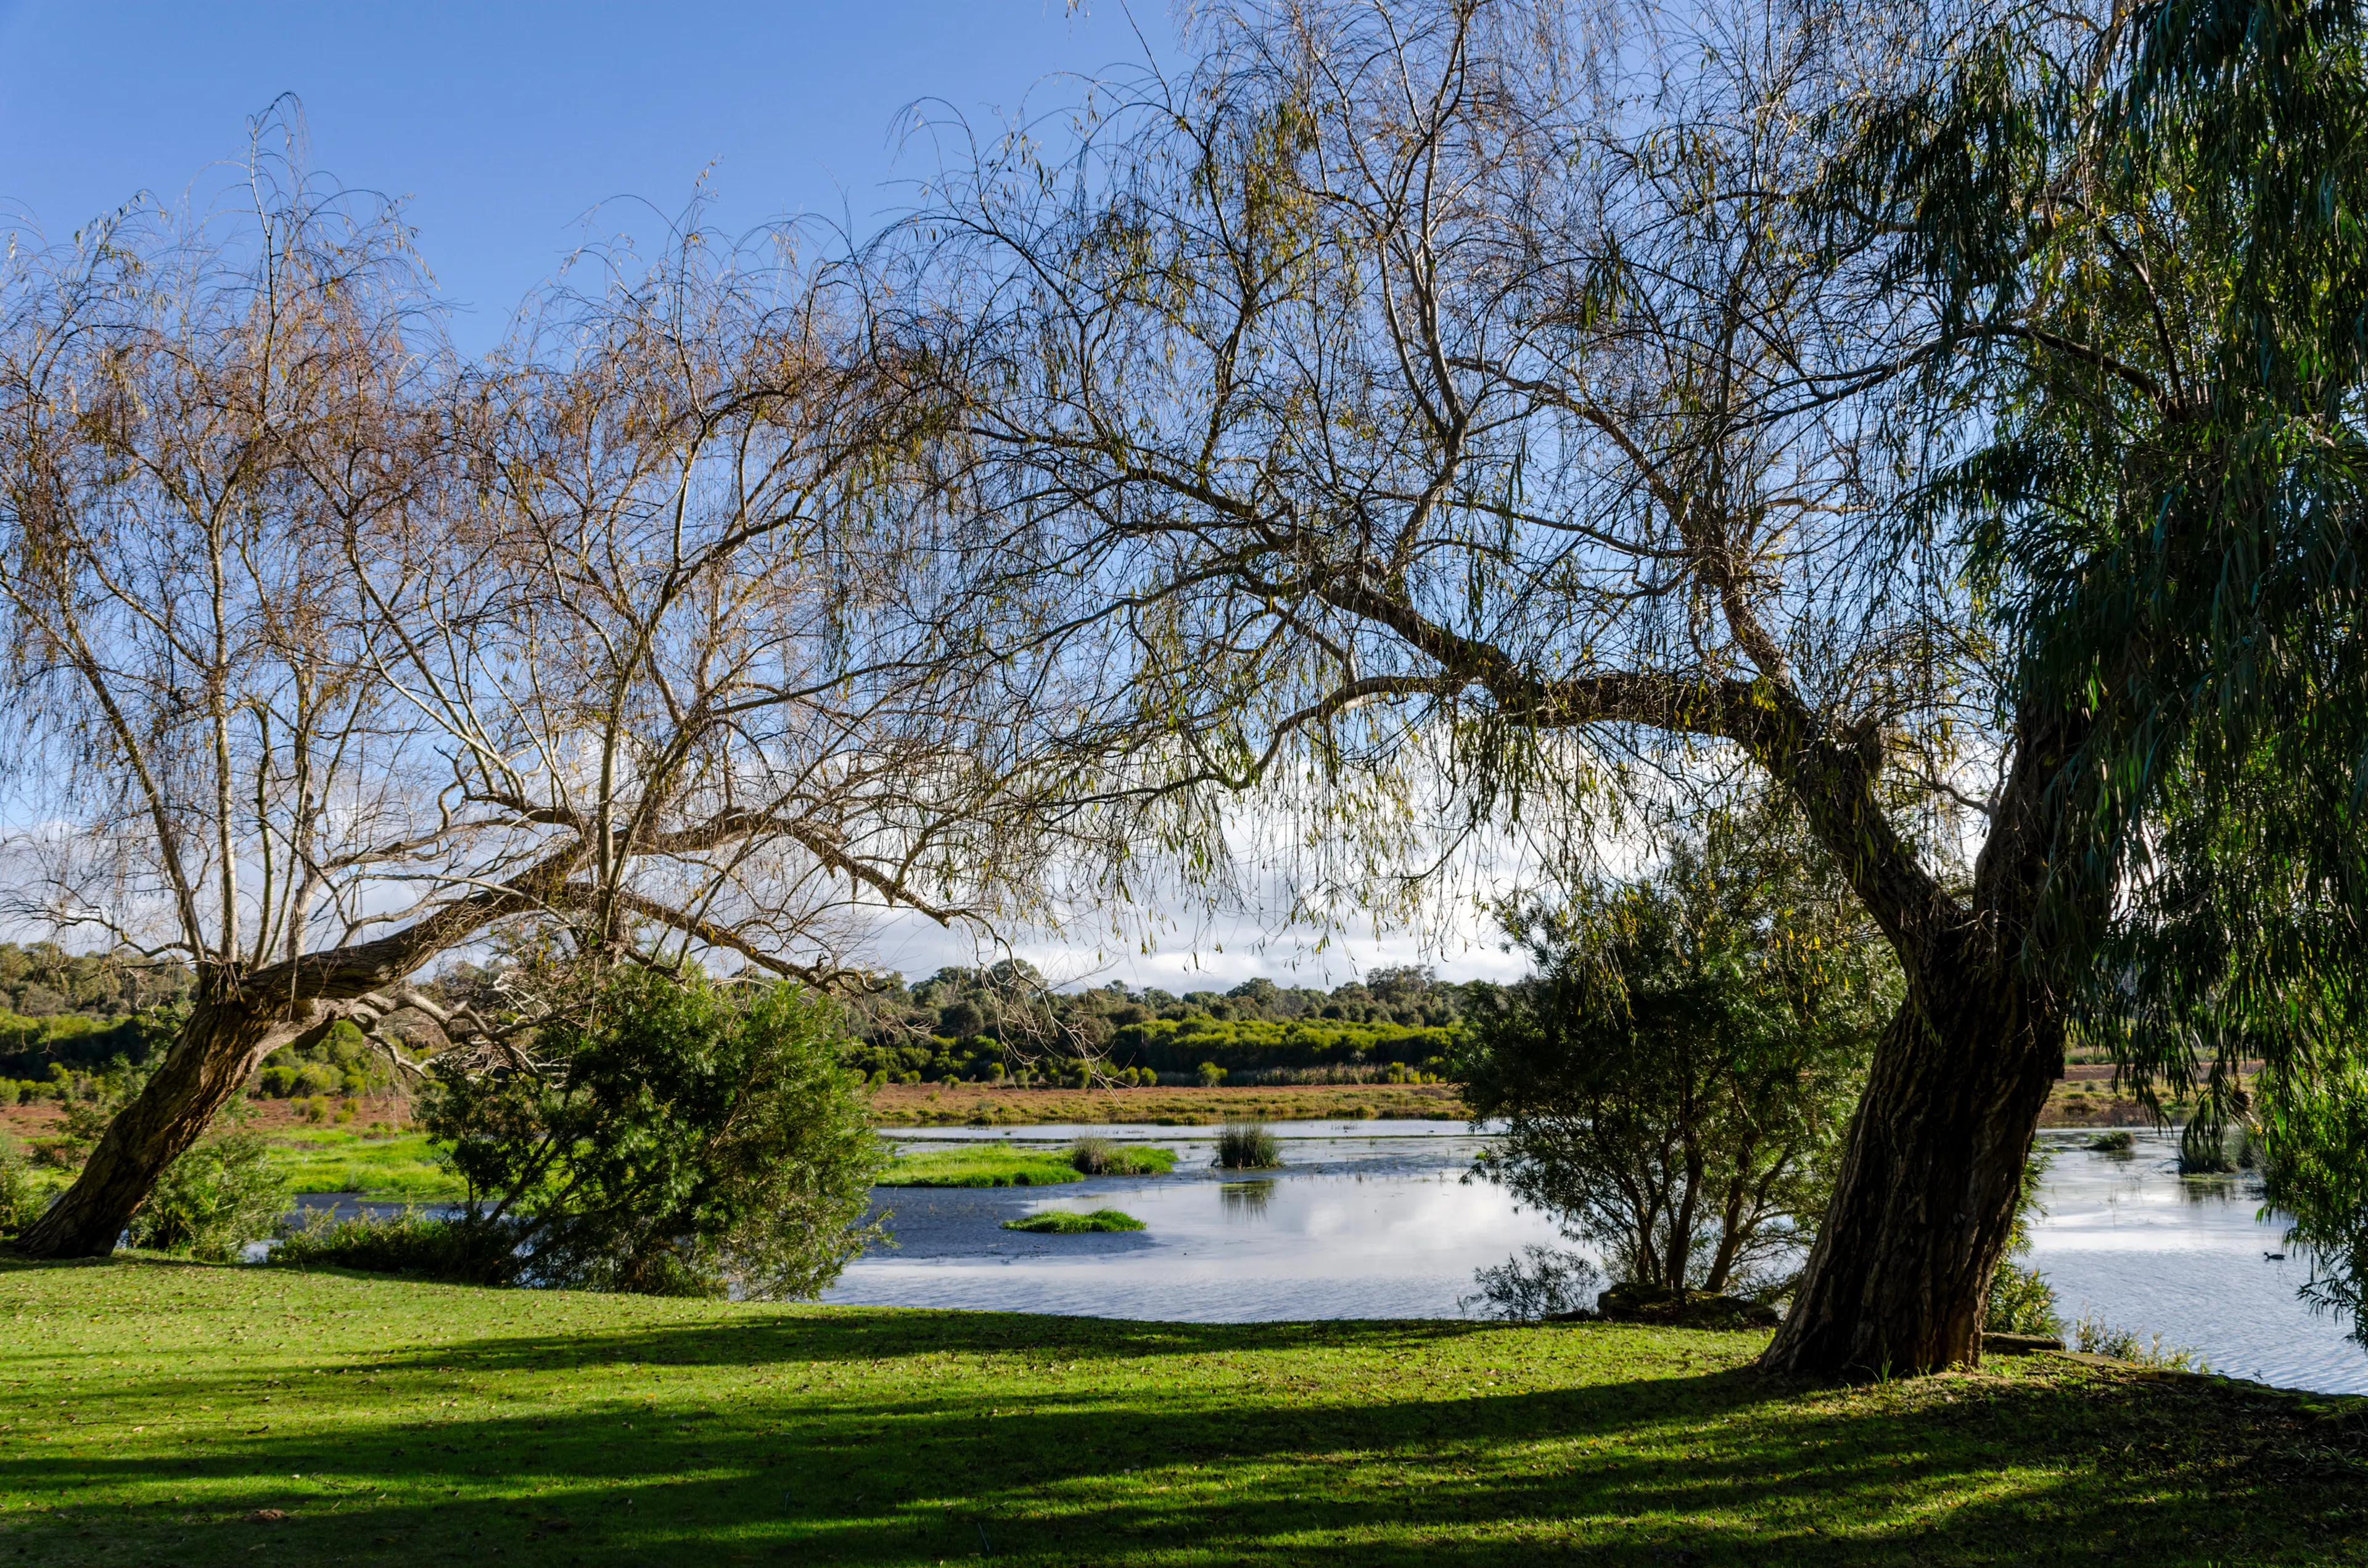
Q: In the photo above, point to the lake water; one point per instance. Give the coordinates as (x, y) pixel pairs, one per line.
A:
(1371, 1220)
(2127, 1239)
(1365, 1220)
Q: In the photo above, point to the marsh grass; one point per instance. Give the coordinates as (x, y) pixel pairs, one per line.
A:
(1063, 1222)
(2094, 1336)
(1104, 1156)
(1248, 1146)
(405, 1166)
(981, 1167)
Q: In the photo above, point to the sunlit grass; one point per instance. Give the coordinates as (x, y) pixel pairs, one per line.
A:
(399, 1166)
(970, 1167)
(1067, 1222)
(149, 1410)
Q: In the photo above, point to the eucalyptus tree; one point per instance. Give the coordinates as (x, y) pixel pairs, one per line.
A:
(1515, 403)
(334, 655)
(2143, 238)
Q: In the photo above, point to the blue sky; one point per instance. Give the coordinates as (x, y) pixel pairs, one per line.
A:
(514, 130)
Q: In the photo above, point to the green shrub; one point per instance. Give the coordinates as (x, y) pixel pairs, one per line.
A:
(1675, 1077)
(682, 1141)
(1248, 1146)
(222, 1194)
(462, 1250)
(1063, 1222)
(22, 1196)
(2021, 1301)
(2120, 1142)
(1211, 1074)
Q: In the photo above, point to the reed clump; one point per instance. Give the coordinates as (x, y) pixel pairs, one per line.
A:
(1248, 1146)
(1104, 1156)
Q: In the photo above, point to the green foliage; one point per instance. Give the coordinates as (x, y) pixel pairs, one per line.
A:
(341, 1065)
(2165, 505)
(78, 1010)
(409, 1243)
(1063, 1222)
(222, 1193)
(23, 1195)
(2021, 1301)
(1248, 1146)
(684, 1142)
(1676, 1077)
(2317, 1175)
(2095, 1336)
(91, 1103)
(1002, 1025)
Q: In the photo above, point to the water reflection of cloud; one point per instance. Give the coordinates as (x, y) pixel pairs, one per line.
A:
(2128, 1240)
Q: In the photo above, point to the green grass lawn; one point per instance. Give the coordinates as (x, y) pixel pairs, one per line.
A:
(150, 1409)
(330, 1159)
(983, 1166)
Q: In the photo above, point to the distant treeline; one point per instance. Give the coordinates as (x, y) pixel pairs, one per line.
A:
(76, 1012)
(1000, 1024)
(66, 1015)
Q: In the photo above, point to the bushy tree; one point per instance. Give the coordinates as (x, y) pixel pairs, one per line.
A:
(21, 1194)
(681, 1138)
(220, 1194)
(1676, 1077)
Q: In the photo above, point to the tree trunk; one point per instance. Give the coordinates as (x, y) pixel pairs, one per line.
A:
(209, 1063)
(1898, 1281)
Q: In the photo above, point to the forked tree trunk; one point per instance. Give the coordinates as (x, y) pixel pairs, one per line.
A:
(1924, 1202)
(1924, 1205)
(209, 1063)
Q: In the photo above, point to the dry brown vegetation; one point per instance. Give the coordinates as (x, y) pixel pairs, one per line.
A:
(952, 1105)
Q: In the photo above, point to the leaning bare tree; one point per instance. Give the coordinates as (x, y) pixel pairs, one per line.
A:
(1467, 388)
(334, 655)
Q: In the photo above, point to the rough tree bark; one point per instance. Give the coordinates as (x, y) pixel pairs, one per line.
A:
(1924, 1204)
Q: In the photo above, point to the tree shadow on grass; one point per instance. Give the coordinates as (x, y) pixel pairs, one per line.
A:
(808, 1334)
(1094, 1448)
